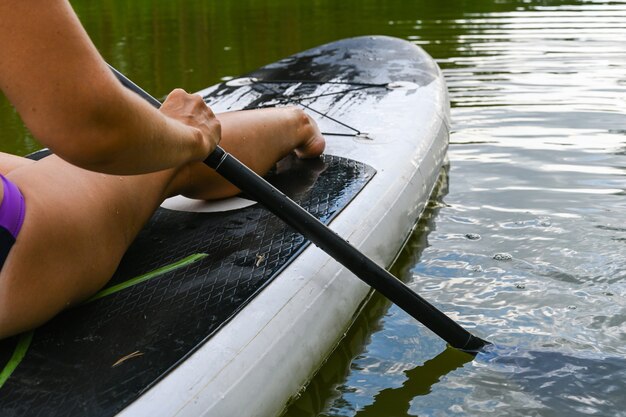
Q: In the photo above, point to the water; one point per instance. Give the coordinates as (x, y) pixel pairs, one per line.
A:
(525, 241)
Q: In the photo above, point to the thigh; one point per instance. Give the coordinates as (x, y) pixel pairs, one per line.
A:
(77, 227)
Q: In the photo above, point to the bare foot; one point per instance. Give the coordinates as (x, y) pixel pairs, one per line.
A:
(314, 143)
(258, 138)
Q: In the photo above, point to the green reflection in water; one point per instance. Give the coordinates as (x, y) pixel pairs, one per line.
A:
(191, 44)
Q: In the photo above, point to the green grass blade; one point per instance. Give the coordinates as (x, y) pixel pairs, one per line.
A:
(147, 276)
(18, 354)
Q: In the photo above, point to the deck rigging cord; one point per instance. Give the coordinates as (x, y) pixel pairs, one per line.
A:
(299, 100)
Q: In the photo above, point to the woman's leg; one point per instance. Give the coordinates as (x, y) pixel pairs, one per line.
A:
(79, 223)
(258, 138)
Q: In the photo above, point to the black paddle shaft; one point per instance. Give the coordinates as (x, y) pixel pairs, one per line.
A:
(347, 255)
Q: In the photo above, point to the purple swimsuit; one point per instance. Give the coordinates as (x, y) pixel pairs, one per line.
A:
(12, 212)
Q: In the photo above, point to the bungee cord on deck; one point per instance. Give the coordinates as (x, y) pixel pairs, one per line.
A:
(247, 82)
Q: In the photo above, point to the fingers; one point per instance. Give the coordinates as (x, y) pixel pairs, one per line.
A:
(191, 110)
(184, 105)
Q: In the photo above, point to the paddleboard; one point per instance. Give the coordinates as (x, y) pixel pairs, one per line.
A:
(219, 309)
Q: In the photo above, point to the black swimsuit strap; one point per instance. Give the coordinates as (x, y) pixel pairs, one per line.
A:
(6, 243)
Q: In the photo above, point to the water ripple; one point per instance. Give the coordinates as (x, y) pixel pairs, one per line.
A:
(528, 245)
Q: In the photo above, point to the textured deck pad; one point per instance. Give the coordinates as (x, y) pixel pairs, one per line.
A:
(95, 359)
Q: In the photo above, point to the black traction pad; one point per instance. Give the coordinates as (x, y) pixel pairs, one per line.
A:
(95, 359)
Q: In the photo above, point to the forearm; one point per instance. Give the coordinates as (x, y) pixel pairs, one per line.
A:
(124, 135)
(68, 98)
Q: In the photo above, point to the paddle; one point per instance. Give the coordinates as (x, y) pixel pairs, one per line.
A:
(331, 243)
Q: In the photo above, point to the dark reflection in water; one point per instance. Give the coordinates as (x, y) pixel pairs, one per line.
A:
(419, 381)
(550, 381)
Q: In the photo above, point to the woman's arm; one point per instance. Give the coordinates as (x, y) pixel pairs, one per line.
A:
(71, 102)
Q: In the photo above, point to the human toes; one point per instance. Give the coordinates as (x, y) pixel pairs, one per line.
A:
(313, 143)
